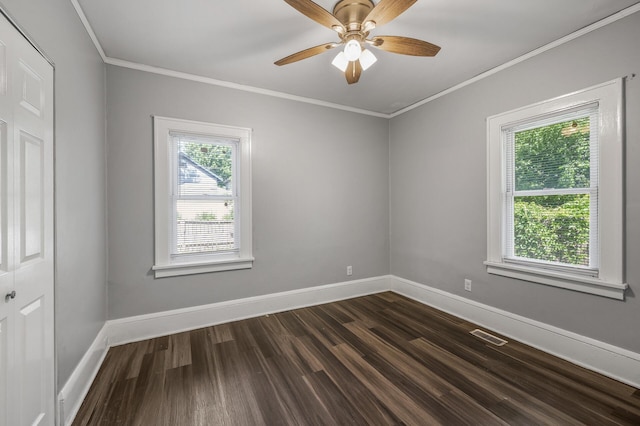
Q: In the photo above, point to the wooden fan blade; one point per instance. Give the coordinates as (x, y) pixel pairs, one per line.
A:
(354, 69)
(307, 53)
(386, 11)
(317, 13)
(405, 46)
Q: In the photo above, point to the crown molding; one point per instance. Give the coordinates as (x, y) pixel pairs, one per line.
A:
(574, 35)
(212, 81)
(87, 26)
(231, 85)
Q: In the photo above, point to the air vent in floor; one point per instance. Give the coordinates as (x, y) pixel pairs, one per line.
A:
(488, 337)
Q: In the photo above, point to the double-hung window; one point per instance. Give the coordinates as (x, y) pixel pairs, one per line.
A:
(202, 197)
(555, 192)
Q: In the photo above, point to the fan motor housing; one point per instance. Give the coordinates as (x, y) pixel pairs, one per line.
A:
(352, 12)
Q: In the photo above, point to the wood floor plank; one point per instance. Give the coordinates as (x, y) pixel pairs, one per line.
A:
(178, 351)
(569, 378)
(409, 411)
(381, 359)
(309, 408)
(150, 386)
(205, 381)
(333, 399)
(414, 378)
(592, 406)
(484, 387)
(236, 397)
(179, 399)
(355, 392)
(271, 405)
(121, 406)
(292, 323)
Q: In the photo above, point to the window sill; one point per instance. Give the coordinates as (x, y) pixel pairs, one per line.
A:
(178, 269)
(558, 279)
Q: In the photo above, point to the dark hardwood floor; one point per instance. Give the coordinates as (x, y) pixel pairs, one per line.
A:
(374, 360)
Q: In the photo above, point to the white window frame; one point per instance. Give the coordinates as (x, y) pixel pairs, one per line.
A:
(608, 279)
(164, 179)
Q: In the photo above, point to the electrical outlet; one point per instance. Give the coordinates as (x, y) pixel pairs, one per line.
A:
(467, 284)
(349, 270)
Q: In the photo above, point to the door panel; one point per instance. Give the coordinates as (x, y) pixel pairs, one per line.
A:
(31, 353)
(27, 388)
(32, 86)
(31, 194)
(5, 233)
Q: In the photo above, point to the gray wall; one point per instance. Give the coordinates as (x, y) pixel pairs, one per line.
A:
(321, 186)
(438, 203)
(320, 191)
(81, 255)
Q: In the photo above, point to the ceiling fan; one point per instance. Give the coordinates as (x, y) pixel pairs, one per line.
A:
(353, 20)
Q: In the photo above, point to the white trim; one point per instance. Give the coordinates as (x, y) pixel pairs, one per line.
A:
(186, 76)
(87, 26)
(245, 88)
(610, 282)
(575, 282)
(133, 329)
(163, 182)
(611, 361)
(583, 31)
(178, 269)
(148, 326)
(77, 386)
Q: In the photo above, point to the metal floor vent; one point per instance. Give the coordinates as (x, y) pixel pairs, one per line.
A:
(488, 337)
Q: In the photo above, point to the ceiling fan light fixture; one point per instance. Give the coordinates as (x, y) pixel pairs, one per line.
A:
(367, 59)
(353, 20)
(340, 61)
(352, 50)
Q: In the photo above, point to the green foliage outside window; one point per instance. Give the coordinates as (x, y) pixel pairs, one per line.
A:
(211, 217)
(553, 228)
(215, 158)
(555, 156)
(206, 216)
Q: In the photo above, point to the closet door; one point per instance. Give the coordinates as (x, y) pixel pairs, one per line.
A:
(26, 182)
(7, 282)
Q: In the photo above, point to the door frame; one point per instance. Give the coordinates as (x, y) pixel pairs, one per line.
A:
(5, 13)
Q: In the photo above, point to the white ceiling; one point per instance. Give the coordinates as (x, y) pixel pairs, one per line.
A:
(237, 41)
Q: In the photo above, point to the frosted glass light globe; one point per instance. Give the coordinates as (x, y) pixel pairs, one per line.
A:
(352, 50)
(367, 59)
(340, 62)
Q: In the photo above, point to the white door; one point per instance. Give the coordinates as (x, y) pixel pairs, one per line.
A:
(27, 392)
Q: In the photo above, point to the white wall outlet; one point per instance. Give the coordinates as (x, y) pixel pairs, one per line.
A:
(349, 270)
(467, 284)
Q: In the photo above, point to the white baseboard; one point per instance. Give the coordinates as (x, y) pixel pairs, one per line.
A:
(131, 329)
(612, 361)
(77, 386)
(142, 327)
(609, 360)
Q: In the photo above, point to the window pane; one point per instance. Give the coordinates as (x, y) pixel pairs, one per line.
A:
(554, 156)
(552, 228)
(204, 226)
(204, 168)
